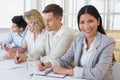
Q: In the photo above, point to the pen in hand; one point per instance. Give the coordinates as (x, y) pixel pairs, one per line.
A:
(42, 64)
(17, 56)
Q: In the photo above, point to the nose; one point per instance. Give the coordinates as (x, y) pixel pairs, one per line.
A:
(86, 25)
(46, 22)
(12, 27)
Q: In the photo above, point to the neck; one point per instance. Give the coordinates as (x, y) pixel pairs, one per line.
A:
(35, 35)
(57, 29)
(89, 41)
(20, 32)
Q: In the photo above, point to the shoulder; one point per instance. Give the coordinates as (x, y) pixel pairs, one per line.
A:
(66, 31)
(28, 33)
(12, 34)
(43, 34)
(79, 36)
(106, 39)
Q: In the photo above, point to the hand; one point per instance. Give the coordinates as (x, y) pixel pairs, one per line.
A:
(5, 46)
(9, 55)
(63, 71)
(20, 58)
(43, 66)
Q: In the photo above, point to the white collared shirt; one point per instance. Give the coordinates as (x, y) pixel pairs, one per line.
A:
(58, 44)
(87, 53)
(31, 44)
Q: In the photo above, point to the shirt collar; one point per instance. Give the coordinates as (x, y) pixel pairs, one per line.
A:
(91, 46)
(60, 31)
(24, 32)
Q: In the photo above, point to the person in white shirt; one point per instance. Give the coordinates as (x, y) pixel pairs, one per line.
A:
(91, 51)
(36, 29)
(57, 39)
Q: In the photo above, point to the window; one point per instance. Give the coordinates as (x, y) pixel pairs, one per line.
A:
(10, 8)
(109, 10)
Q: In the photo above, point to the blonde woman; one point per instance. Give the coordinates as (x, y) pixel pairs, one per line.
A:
(36, 29)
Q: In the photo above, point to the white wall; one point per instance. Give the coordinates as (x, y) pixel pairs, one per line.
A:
(33, 4)
(3, 33)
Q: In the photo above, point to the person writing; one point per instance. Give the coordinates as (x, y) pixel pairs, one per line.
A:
(91, 50)
(16, 36)
(57, 39)
(34, 36)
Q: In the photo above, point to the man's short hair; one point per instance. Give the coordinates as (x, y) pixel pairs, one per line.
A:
(55, 9)
(19, 21)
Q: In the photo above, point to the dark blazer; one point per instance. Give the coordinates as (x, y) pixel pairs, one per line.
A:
(99, 67)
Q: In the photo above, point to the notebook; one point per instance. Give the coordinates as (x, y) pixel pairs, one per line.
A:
(43, 73)
(48, 72)
(52, 74)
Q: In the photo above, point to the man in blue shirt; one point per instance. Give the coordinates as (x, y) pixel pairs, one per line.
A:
(17, 34)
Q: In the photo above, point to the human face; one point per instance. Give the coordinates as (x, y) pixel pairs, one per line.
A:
(52, 23)
(30, 25)
(14, 27)
(88, 25)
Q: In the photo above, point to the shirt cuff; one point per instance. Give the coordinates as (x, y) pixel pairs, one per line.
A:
(54, 63)
(78, 72)
(29, 58)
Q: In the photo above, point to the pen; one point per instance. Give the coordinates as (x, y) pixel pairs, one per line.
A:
(17, 56)
(42, 64)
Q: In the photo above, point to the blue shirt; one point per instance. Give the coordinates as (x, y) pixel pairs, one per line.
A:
(16, 40)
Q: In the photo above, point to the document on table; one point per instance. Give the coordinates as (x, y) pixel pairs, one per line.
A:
(48, 72)
(52, 74)
(10, 64)
(2, 54)
(43, 73)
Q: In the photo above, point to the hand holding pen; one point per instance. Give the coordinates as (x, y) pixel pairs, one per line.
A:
(20, 57)
(17, 57)
(42, 66)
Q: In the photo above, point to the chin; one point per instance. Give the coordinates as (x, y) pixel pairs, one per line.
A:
(49, 29)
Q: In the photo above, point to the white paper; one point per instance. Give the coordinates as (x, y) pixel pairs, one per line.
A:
(2, 54)
(52, 74)
(10, 64)
(43, 73)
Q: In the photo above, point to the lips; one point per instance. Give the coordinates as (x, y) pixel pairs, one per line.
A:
(87, 31)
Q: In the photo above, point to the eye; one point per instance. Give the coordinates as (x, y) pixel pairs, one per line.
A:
(90, 21)
(49, 20)
(81, 22)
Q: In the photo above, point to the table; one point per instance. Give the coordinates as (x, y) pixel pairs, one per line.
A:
(21, 74)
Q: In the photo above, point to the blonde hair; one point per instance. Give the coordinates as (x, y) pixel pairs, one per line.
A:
(35, 16)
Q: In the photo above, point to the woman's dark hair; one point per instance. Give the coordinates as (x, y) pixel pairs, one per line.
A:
(89, 9)
(19, 21)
